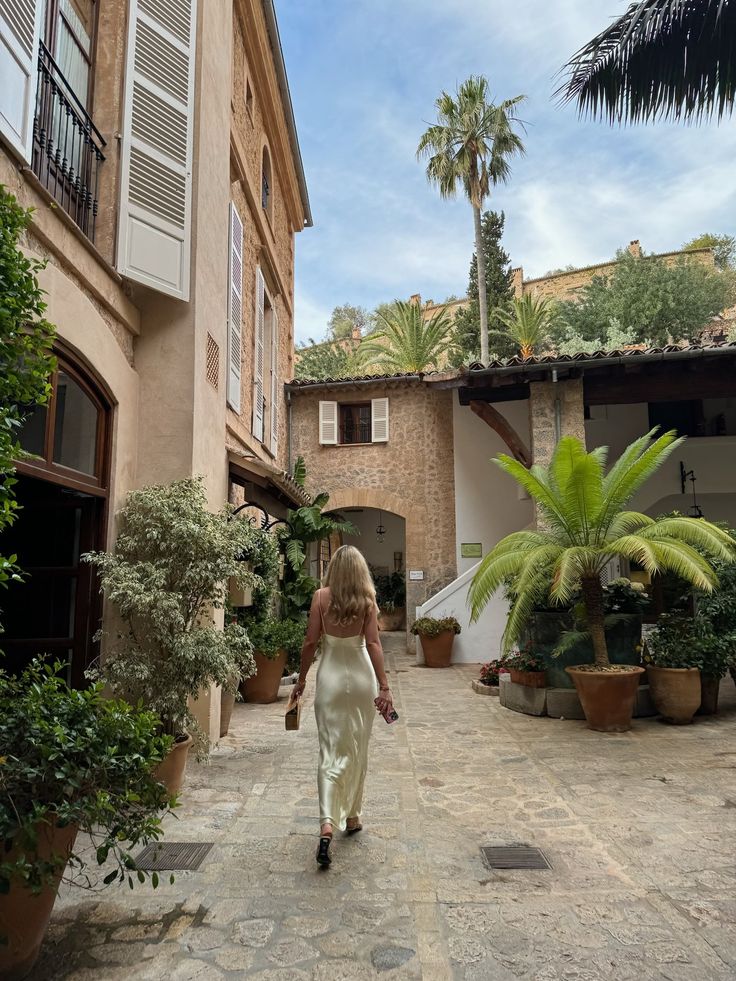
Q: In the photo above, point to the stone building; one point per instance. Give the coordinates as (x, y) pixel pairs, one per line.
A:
(415, 452)
(156, 142)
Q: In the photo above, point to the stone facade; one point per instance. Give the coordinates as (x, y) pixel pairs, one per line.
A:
(553, 405)
(411, 475)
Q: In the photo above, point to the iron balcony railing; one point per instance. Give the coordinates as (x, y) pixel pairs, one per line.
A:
(67, 146)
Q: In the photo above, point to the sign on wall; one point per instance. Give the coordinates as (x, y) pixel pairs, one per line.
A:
(416, 575)
(471, 550)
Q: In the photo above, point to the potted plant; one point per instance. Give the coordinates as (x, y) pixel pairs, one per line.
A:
(73, 762)
(584, 522)
(717, 610)
(527, 668)
(262, 555)
(488, 681)
(391, 600)
(275, 641)
(436, 637)
(673, 655)
(169, 570)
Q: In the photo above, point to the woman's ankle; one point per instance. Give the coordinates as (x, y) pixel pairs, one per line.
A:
(325, 830)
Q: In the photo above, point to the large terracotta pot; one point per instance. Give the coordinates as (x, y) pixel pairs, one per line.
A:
(709, 689)
(170, 772)
(438, 650)
(227, 704)
(530, 679)
(24, 917)
(675, 693)
(607, 697)
(263, 687)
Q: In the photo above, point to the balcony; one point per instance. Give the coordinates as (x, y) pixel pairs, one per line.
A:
(67, 146)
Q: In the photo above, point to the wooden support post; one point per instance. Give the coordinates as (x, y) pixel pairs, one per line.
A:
(493, 418)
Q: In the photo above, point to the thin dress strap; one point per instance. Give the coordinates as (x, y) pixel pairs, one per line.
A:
(321, 614)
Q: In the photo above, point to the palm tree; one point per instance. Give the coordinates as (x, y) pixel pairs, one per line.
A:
(584, 525)
(663, 58)
(405, 341)
(470, 144)
(528, 322)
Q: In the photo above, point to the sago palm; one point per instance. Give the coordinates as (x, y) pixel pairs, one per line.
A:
(527, 323)
(470, 145)
(584, 524)
(669, 58)
(406, 341)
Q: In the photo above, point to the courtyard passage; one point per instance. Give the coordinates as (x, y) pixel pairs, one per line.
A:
(640, 830)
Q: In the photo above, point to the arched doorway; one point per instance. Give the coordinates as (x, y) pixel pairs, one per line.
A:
(63, 493)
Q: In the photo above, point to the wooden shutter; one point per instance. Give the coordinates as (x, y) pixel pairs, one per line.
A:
(258, 366)
(20, 29)
(379, 420)
(328, 423)
(235, 310)
(275, 392)
(154, 239)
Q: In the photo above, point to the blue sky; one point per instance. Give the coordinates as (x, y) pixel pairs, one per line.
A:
(364, 75)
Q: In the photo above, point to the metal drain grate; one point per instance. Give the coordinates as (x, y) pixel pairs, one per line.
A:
(514, 857)
(173, 856)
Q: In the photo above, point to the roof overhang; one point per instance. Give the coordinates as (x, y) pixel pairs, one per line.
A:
(247, 469)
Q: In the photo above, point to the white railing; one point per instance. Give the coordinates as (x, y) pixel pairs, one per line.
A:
(477, 642)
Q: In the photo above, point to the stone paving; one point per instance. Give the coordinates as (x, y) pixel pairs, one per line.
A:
(640, 829)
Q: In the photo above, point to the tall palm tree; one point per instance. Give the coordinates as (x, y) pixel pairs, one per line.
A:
(663, 58)
(470, 144)
(527, 323)
(585, 525)
(406, 341)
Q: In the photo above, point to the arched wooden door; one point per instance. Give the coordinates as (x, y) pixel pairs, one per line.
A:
(63, 492)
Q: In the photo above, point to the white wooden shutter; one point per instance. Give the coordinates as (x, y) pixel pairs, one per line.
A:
(235, 310)
(274, 381)
(328, 423)
(20, 30)
(258, 366)
(154, 239)
(379, 420)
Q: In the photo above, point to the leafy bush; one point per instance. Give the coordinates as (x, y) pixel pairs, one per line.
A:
(489, 673)
(390, 591)
(170, 568)
(270, 635)
(25, 355)
(75, 757)
(263, 555)
(432, 627)
(524, 659)
(678, 642)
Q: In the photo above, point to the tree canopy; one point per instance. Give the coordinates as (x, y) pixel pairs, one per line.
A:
(330, 359)
(345, 319)
(408, 342)
(724, 248)
(643, 300)
(498, 293)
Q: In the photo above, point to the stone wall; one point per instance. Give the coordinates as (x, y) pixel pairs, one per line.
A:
(542, 412)
(411, 475)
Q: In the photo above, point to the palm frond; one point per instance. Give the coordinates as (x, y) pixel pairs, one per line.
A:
(671, 59)
(700, 534)
(625, 479)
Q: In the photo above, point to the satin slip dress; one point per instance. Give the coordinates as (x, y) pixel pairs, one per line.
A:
(344, 709)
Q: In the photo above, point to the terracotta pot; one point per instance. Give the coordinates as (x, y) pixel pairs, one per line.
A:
(170, 772)
(709, 690)
(24, 917)
(675, 693)
(394, 620)
(438, 650)
(531, 679)
(263, 687)
(227, 703)
(607, 697)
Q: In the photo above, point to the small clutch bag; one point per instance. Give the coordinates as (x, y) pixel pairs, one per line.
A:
(293, 712)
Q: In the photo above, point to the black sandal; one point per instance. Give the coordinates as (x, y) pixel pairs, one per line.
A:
(353, 831)
(323, 852)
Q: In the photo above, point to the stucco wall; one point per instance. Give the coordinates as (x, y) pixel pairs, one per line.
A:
(377, 554)
(412, 475)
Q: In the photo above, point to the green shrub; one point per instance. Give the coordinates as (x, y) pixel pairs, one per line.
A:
(270, 635)
(75, 757)
(431, 627)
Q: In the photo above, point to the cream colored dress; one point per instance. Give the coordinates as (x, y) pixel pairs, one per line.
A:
(344, 709)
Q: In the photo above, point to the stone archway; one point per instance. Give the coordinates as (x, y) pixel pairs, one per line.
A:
(415, 521)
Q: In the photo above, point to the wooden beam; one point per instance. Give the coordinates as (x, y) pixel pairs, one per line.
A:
(666, 382)
(493, 418)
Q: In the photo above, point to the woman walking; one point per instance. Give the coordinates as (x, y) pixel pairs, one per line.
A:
(351, 687)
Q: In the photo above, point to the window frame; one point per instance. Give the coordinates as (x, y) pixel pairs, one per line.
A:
(341, 406)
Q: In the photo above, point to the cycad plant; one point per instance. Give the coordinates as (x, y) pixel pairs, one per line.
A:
(662, 58)
(528, 323)
(407, 342)
(470, 145)
(584, 523)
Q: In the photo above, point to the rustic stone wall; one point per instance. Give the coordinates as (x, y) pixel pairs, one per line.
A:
(411, 475)
(543, 396)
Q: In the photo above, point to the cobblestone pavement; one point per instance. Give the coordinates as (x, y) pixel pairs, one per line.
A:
(640, 829)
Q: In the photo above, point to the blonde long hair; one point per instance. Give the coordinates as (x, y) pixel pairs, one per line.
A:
(352, 593)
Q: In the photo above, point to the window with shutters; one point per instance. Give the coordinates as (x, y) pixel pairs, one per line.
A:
(353, 423)
(266, 182)
(266, 385)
